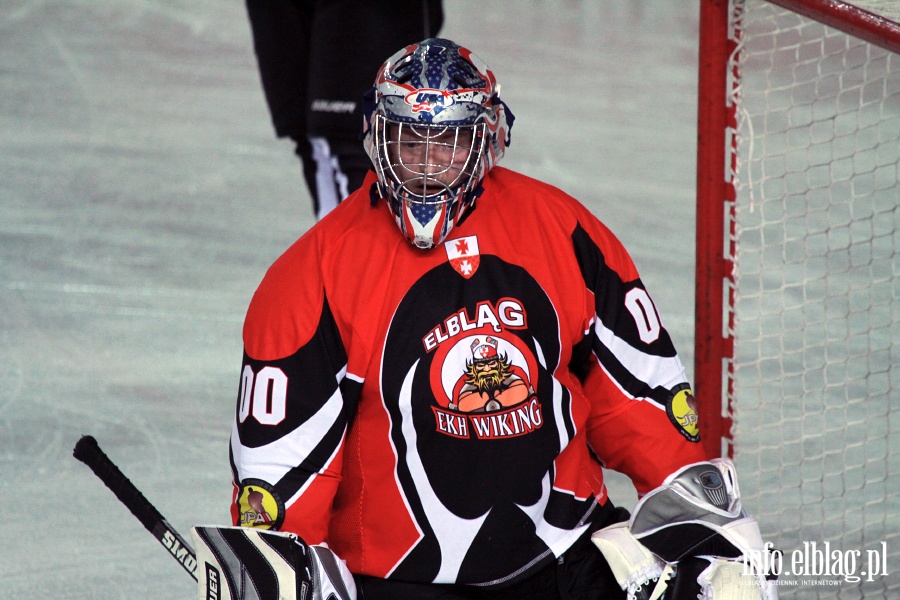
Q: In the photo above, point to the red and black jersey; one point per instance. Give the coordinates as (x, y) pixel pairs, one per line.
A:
(442, 415)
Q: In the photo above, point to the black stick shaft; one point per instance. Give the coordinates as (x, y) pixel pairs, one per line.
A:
(89, 452)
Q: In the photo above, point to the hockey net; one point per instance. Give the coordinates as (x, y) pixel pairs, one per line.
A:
(798, 279)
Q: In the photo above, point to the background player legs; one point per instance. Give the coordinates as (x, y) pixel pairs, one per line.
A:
(316, 59)
(281, 36)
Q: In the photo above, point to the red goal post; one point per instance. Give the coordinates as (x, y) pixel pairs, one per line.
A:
(797, 319)
(716, 166)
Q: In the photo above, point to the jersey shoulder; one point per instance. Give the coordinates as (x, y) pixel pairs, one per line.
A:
(299, 285)
(541, 206)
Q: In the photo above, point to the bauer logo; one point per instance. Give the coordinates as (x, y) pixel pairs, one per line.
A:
(429, 100)
(213, 587)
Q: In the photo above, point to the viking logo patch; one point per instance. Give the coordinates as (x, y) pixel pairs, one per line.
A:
(483, 385)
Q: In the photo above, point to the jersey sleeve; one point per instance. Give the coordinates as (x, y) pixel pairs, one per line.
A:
(294, 403)
(643, 419)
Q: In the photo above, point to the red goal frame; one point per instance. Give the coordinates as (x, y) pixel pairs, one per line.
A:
(716, 196)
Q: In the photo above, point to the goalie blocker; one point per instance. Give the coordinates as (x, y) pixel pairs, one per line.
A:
(690, 538)
(238, 563)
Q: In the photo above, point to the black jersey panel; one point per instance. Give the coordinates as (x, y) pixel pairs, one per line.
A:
(611, 292)
(491, 452)
(277, 396)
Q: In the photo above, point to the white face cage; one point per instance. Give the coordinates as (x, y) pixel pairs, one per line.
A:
(429, 164)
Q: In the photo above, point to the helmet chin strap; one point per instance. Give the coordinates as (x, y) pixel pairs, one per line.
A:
(469, 204)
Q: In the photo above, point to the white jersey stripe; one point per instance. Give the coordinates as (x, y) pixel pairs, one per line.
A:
(655, 371)
(272, 461)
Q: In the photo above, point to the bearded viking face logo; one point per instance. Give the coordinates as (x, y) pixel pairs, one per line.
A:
(490, 382)
(486, 375)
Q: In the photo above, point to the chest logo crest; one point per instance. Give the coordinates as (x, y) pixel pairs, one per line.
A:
(463, 254)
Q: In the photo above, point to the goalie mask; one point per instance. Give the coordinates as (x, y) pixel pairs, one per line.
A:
(435, 127)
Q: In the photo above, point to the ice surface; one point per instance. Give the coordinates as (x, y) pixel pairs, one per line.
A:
(143, 194)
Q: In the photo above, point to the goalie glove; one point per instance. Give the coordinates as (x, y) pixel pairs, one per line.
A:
(641, 575)
(241, 563)
(697, 512)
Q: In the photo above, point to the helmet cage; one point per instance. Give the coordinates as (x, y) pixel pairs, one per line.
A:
(430, 172)
(429, 164)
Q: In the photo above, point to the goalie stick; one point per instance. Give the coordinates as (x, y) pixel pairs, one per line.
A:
(88, 451)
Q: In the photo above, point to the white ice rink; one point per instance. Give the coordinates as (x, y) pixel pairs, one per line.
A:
(143, 195)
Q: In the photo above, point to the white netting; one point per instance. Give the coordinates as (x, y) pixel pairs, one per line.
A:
(817, 319)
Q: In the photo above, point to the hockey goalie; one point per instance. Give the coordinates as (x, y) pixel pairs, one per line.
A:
(436, 375)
